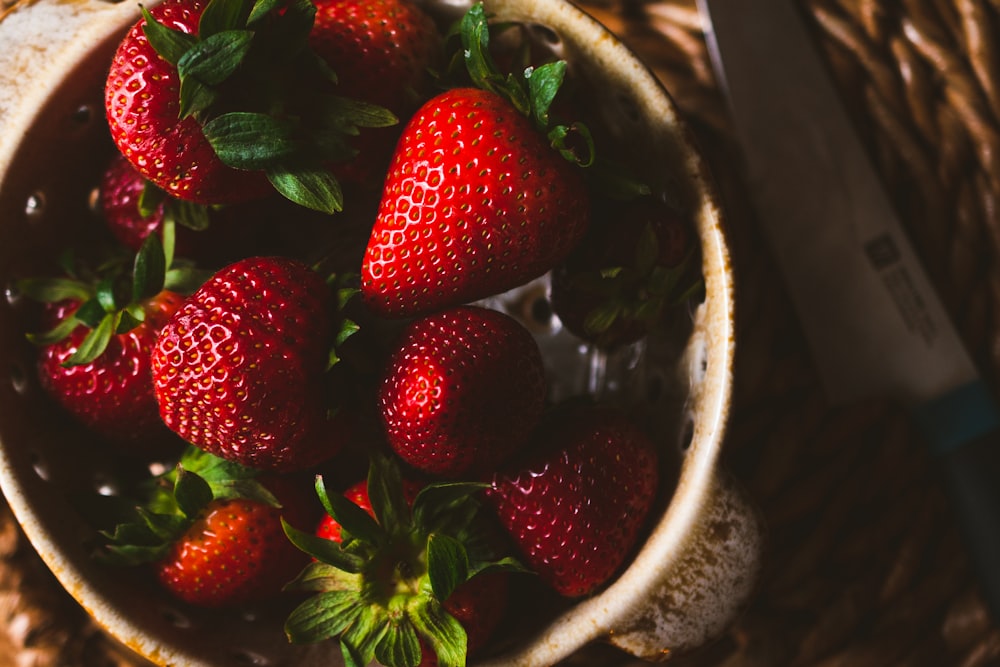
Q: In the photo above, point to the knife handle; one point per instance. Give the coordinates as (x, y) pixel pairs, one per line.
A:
(972, 475)
(962, 428)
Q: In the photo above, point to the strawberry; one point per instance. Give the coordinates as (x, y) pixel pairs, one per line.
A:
(212, 532)
(99, 331)
(240, 369)
(476, 201)
(404, 581)
(577, 503)
(463, 389)
(207, 101)
(633, 266)
(393, 42)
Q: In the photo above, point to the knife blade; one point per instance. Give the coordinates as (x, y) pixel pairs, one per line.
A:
(874, 324)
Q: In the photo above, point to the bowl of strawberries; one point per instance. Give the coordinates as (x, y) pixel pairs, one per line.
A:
(338, 332)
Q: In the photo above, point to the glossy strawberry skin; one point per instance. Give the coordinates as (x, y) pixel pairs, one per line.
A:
(121, 189)
(392, 42)
(475, 203)
(462, 391)
(576, 506)
(112, 395)
(142, 102)
(239, 370)
(236, 551)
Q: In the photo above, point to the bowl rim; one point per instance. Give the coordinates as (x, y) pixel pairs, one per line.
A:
(588, 619)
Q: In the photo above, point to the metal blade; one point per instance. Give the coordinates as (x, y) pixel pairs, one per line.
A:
(870, 313)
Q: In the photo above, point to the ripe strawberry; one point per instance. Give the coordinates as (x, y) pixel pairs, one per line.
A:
(240, 369)
(142, 98)
(393, 42)
(213, 100)
(476, 200)
(212, 532)
(402, 574)
(576, 505)
(94, 352)
(463, 390)
(113, 393)
(631, 268)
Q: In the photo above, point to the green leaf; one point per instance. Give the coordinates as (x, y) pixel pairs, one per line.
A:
(191, 492)
(352, 518)
(214, 59)
(601, 318)
(252, 141)
(130, 555)
(189, 214)
(323, 616)
(91, 312)
(55, 334)
(222, 15)
(314, 188)
(347, 329)
(326, 551)
(441, 499)
(166, 527)
(170, 44)
(95, 342)
(168, 233)
(196, 97)
(185, 279)
(543, 84)
(323, 577)
(385, 491)
(150, 199)
(580, 150)
(132, 316)
(149, 270)
(106, 294)
(344, 111)
(445, 635)
(399, 646)
(262, 8)
(447, 564)
(53, 290)
(365, 634)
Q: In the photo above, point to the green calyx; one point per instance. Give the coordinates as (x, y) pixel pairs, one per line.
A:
(251, 81)
(111, 298)
(637, 293)
(172, 501)
(382, 589)
(531, 91)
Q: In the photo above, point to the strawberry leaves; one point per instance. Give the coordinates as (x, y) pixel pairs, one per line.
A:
(381, 590)
(111, 299)
(531, 91)
(275, 128)
(174, 501)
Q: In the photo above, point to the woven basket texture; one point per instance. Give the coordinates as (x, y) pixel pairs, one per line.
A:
(863, 565)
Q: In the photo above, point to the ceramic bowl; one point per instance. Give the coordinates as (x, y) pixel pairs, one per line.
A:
(697, 566)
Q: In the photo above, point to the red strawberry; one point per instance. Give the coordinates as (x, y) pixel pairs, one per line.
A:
(630, 269)
(121, 190)
(393, 42)
(577, 504)
(420, 568)
(212, 531)
(142, 98)
(240, 370)
(113, 393)
(463, 390)
(236, 550)
(99, 330)
(475, 203)
(211, 111)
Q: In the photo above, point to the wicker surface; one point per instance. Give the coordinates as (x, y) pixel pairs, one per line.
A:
(864, 565)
